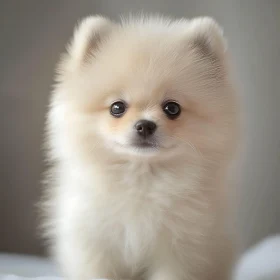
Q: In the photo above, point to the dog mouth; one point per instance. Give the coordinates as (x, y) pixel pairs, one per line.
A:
(145, 145)
(141, 146)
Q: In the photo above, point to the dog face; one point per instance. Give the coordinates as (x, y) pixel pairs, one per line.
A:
(146, 88)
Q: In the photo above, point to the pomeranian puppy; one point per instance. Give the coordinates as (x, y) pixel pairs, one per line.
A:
(140, 133)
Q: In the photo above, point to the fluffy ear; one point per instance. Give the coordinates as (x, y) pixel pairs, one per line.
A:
(206, 37)
(88, 36)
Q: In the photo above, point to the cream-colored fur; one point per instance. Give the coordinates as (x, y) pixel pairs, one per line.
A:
(113, 211)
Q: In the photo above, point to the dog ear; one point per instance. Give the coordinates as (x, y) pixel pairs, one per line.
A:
(87, 38)
(206, 38)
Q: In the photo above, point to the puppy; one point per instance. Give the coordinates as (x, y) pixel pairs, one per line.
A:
(140, 133)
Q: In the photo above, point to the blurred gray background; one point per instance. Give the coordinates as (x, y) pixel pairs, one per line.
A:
(33, 34)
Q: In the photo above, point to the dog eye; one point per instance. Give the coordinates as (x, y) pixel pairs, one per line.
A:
(171, 109)
(118, 109)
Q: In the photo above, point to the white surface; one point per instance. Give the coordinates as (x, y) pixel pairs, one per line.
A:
(27, 266)
(13, 277)
(262, 262)
(20, 267)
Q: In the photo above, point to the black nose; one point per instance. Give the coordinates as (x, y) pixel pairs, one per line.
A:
(145, 128)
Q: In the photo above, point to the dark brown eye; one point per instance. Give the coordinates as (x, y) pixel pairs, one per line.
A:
(118, 108)
(171, 109)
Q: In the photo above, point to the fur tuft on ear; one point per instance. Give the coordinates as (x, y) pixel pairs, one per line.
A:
(206, 36)
(87, 36)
